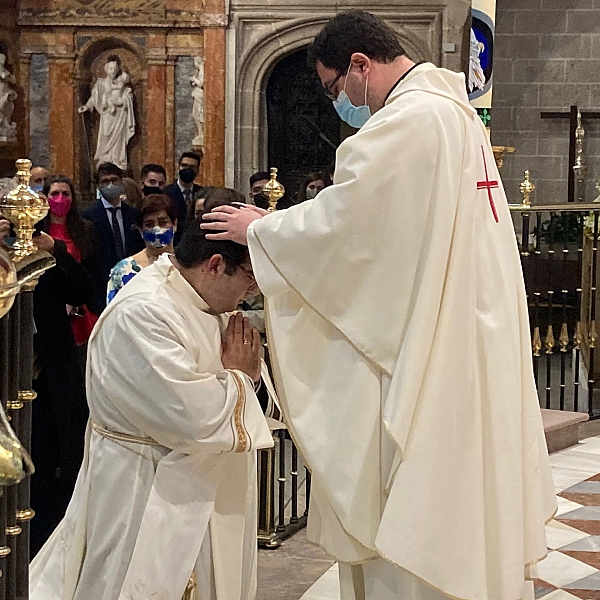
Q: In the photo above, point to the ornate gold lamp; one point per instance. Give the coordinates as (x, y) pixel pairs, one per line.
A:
(274, 190)
(23, 208)
(527, 188)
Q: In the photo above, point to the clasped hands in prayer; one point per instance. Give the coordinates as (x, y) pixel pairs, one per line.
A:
(240, 349)
(231, 222)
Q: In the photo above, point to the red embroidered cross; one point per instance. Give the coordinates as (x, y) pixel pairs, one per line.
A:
(488, 185)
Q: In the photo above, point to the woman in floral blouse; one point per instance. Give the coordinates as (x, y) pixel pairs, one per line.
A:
(157, 224)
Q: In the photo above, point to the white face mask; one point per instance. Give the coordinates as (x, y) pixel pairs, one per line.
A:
(311, 193)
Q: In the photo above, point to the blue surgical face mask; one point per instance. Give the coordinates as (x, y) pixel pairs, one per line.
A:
(37, 187)
(355, 116)
(158, 237)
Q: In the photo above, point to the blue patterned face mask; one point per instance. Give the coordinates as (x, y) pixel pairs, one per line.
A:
(158, 237)
(355, 116)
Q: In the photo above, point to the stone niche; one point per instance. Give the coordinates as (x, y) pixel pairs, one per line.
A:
(61, 47)
(10, 151)
(262, 33)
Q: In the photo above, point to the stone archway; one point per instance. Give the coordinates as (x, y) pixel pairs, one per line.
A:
(259, 38)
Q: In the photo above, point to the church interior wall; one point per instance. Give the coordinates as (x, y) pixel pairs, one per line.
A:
(260, 35)
(547, 57)
(58, 49)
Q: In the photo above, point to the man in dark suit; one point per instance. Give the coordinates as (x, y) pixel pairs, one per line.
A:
(184, 191)
(115, 221)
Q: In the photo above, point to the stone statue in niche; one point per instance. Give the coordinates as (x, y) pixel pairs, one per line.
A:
(197, 82)
(8, 129)
(113, 99)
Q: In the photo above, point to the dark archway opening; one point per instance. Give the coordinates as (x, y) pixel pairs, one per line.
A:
(303, 127)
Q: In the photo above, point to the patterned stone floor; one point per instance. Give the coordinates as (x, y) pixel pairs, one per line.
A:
(571, 570)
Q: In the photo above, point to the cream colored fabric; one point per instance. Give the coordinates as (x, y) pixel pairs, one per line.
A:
(399, 332)
(137, 524)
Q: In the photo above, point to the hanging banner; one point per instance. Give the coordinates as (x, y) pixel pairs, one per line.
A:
(481, 57)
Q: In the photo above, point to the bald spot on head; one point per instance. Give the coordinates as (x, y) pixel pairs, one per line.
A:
(39, 175)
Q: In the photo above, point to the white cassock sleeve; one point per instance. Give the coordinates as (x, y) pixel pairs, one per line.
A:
(151, 369)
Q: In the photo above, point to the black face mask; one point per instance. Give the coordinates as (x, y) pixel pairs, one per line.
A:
(150, 189)
(187, 175)
(261, 200)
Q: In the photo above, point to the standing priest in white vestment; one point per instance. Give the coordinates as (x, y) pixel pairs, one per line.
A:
(400, 338)
(167, 489)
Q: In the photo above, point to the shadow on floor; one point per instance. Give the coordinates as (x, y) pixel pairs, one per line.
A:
(287, 572)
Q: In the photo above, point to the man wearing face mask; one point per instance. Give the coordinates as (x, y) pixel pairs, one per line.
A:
(430, 474)
(115, 221)
(39, 176)
(184, 191)
(154, 179)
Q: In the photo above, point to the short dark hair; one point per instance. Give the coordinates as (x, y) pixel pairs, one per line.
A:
(152, 168)
(197, 156)
(154, 203)
(350, 32)
(259, 176)
(108, 169)
(194, 249)
(221, 196)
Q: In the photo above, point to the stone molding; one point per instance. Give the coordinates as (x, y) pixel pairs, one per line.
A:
(260, 35)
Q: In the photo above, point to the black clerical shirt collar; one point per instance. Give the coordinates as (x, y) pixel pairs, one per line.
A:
(422, 62)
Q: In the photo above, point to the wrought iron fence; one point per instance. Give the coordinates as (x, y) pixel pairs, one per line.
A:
(283, 502)
(559, 255)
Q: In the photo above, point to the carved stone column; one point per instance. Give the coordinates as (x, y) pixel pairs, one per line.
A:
(62, 114)
(155, 126)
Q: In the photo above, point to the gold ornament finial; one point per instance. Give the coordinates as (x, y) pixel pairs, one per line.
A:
(499, 152)
(23, 208)
(527, 188)
(274, 190)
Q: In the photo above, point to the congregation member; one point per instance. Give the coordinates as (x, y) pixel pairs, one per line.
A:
(258, 181)
(157, 223)
(197, 207)
(184, 191)
(153, 179)
(38, 178)
(60, 412)
(133, 195)
(115, 222)
(311, 186)
(167, 495)
(430, 473)
(65, 223)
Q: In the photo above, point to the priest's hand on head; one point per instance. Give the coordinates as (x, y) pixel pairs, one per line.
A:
(241, 347)
(231, 223)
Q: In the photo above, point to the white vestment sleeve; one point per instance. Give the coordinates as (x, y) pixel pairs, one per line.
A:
(150, 373)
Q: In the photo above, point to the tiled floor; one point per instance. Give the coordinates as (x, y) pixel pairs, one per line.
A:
(572, 569)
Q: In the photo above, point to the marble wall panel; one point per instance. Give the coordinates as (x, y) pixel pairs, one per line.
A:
(39, 111)
(185, 129)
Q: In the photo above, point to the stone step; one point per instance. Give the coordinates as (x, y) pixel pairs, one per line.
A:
(562, 428)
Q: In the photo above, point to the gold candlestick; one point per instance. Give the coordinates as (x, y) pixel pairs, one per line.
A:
(526, 188)
(23, 208)
(580, 168)
(274, 190)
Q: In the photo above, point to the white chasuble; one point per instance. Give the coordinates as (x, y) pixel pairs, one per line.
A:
(146, 514)
(398, 327)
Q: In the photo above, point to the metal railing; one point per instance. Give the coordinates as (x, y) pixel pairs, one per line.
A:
(559, 255)
(283, 503)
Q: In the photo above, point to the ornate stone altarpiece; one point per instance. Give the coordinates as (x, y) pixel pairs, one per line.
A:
(150, 37)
